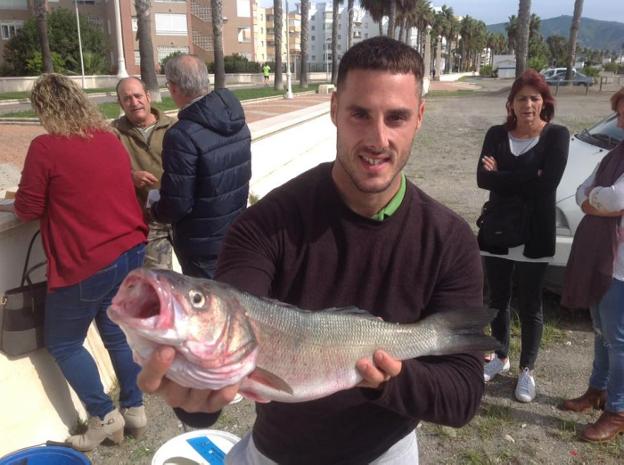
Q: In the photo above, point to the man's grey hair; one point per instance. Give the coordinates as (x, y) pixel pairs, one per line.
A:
(189, 73)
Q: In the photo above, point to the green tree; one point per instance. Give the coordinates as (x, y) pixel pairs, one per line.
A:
(522, 37)
(305, 28)
(41, 13)
(557, 50)
(278, 26)
(63, 40)
(216, 7)
(574, 27)
(146, 49)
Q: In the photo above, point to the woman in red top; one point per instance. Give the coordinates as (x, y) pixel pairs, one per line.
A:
(76, 181)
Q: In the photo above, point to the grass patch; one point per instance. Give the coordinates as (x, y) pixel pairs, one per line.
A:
(475, 457)
(567, 430)
(491, 419)
(112, 110)
(453, 93)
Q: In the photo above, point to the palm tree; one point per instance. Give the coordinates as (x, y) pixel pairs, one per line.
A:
(350, 25)
(512, 33)
(278, 23)
(574, 27)
(334, 40)
(377, 9)
(392, 14)
(146, 49)
(217, 37)
(41, 13)
(524, 18)
(305, 27)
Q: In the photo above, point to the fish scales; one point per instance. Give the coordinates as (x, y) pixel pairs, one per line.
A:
(275, 350)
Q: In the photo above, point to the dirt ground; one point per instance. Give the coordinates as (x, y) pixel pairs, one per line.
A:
(504, 431)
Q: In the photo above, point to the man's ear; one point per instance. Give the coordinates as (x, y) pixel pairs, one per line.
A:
(334, 107)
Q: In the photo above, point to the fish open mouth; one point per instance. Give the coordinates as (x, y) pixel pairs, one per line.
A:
(142, 299)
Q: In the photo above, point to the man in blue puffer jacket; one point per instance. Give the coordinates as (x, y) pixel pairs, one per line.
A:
(207, 166)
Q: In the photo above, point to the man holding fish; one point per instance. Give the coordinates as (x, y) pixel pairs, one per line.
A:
(352, 233)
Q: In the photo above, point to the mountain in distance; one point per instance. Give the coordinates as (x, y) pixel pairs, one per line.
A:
(594, 33)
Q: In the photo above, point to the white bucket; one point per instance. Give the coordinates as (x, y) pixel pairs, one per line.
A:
(204, 446)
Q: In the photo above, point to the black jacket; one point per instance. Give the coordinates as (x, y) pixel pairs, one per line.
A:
(518, 175)
(207, 167)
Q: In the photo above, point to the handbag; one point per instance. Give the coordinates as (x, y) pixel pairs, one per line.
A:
(504, 223)
(22, 311)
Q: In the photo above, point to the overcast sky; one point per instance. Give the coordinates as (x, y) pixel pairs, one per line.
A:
(497, 11)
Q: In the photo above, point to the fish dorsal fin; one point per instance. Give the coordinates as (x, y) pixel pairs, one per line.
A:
(262, 376)
(351, 311)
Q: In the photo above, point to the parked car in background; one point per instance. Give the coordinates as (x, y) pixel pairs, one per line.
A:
(578, 78)
(587, 149)
(550, 72)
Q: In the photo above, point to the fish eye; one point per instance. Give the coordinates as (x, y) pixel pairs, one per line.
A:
(197, 299)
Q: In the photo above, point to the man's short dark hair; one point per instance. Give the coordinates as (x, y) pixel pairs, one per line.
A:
(382, 54)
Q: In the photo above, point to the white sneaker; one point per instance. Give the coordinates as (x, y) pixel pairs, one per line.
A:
(525, 389)
(495, 367)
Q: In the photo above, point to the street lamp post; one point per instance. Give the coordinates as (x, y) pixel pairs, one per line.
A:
(289, 93)
(121, 62)
(79, 44)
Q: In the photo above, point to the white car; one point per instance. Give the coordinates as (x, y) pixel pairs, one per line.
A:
(550, 72)
(586, 150)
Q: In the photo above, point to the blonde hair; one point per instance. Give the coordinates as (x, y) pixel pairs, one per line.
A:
(615, 98)
(64, 109)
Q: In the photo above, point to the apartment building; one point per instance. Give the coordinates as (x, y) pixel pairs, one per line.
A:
(319, 43)
(293, 26)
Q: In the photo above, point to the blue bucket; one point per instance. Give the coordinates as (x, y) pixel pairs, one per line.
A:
(45, 455)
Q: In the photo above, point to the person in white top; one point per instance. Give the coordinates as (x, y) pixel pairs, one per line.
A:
(595, 278)
(521, 161)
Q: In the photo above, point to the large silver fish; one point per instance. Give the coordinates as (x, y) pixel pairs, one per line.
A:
(278, 351)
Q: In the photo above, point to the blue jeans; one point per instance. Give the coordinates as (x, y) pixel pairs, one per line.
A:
(68, 314)
(608, 368)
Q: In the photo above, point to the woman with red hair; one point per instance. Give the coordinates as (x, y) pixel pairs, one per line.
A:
(521, 164)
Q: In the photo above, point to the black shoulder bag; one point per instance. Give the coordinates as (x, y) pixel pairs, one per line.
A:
(504, 223)
(22, 311)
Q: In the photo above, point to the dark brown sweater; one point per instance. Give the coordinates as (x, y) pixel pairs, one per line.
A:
(302, 245)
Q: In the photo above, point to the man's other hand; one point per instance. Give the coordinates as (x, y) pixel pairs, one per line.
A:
(377, 373)
(143, 178)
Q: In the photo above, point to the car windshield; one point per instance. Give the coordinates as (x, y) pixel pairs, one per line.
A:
(605, 134)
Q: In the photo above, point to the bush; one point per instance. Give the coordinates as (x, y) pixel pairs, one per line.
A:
(591, 71)
(164, 61)
(486, 71)
(238, 64)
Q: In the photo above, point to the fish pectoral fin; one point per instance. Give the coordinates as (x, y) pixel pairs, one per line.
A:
(262, 376)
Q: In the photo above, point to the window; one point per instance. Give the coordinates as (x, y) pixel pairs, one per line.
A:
(135, 24)
(14, 5)
(313, 37)
(170, 24)
(313, 57)
(313, 27)
(9, 29)
(243, 8)
(137, 58)
(244, 34)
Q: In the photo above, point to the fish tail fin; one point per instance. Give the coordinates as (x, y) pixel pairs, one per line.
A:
(462, 330)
